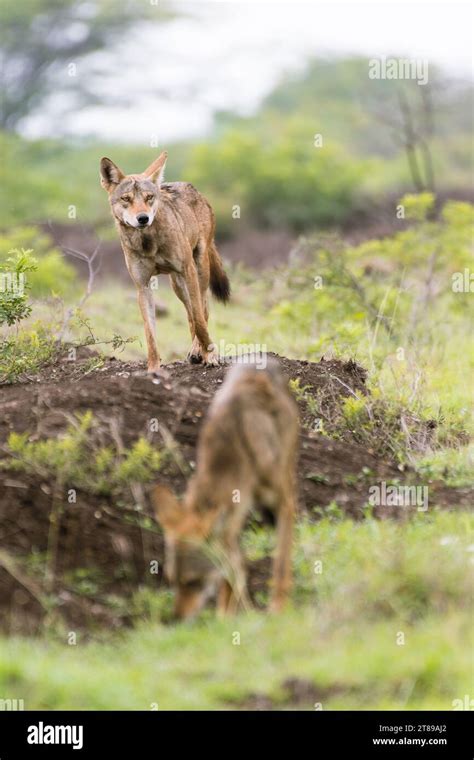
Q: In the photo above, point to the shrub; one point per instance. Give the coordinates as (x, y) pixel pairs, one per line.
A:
(14, 287)
(78, 460)
(281, 182)
(52, 274)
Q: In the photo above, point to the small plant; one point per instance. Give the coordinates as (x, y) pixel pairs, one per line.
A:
(84, 581)
(454, 466)
(302, 393)
(92, 364)
(14, 286)
(26, 352)
(151, 606)
(76, 460)
(83, 324)
(332, 512)
(52, 273)
(313, 421)
(21, 351)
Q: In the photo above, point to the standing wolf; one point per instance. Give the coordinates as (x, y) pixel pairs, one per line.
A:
(167, 228)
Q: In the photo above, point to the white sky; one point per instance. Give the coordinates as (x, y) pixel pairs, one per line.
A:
(228, 55)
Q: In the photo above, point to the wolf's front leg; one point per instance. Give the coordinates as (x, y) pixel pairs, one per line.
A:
(147, 309)
(284, 547)
(186, 287)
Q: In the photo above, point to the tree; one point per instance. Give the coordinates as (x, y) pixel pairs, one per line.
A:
(412, 128)
(39, 37)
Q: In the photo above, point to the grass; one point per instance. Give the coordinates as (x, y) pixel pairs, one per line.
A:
(76, 457)
(382, 582)
(380, 585)
(426, 385)
(200, 668)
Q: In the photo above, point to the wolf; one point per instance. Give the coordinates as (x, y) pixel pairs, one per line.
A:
(246, 458)
(167, 228)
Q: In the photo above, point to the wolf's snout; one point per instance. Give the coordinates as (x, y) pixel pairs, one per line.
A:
(142, 219)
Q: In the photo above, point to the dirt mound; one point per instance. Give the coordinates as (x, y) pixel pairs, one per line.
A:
(104, 550)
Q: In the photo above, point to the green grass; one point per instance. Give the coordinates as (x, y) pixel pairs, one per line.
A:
(430, 383)
(379, 580)
(405, 324)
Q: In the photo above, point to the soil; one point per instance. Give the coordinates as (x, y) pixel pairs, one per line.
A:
(104, 536)
(296, 694)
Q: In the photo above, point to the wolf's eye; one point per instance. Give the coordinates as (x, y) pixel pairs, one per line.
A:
(125, 198)
(150, 198)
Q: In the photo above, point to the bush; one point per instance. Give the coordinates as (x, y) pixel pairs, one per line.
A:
(390, 305)
(76, 458)
(25, 352)
(14, 287)
(283, 182)
(52, 273)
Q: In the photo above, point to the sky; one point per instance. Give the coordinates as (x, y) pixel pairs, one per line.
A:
(227, 55)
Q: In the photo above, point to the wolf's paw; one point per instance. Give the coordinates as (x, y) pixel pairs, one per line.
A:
(211, 359)
(195, 353)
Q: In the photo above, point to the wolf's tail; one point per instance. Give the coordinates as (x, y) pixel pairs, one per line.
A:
(219, 282)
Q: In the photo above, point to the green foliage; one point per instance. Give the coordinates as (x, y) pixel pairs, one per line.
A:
(82, 324)
(384, 425)
(283, 182)
(267, 164)
(151, 606)
(375, 577)
(77, 460)
(446, 242)
(56, 175)
(390, 304)
(25, 352)
(29, 68)
(385, 568)
(52, 273)
(85, 581)
(362, 115)
(417, 206)
(14, 287)
(303, 393)
(454, 466)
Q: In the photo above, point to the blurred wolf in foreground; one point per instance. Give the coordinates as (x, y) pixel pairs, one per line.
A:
(246, 458)
(167, 228)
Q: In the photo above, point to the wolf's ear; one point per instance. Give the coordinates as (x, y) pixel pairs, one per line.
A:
(110, 174)
(156, 170)
(168, 510)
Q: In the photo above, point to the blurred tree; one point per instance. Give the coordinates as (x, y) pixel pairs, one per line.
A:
(276, 181)
(411, 124)
(38, 37)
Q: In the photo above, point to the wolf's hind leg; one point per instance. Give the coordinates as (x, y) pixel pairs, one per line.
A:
(179, 286)
(208, 350)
